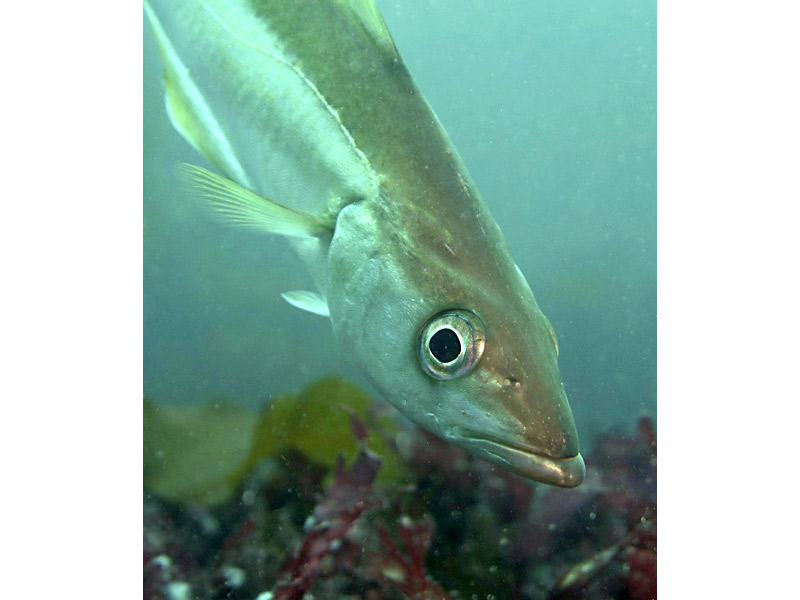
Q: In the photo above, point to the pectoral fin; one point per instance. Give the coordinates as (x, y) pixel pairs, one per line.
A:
(310, 301)
(240, 206)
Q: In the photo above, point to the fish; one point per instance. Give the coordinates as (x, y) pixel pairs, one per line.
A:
(317, 132)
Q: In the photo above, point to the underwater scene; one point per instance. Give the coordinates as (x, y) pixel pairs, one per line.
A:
(382, 360)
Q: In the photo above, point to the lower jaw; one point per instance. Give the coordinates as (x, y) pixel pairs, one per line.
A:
(562, 472)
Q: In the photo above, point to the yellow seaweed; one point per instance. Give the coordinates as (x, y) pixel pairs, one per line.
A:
(190, 452)
(316, 422)
(201, 454)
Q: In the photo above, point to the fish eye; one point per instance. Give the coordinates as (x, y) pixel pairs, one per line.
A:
(451, 343)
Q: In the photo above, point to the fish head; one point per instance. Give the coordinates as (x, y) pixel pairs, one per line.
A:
(492, 369)
(459, 347)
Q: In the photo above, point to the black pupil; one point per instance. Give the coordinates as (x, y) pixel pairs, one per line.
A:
(444, 345)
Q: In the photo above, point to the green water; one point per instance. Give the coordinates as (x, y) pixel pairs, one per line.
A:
(552, 106)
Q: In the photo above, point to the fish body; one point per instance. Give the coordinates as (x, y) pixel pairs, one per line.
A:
(321, 135)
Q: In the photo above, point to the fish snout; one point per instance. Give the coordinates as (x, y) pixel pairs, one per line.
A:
(555, 464)
(550, 453)
(539, 443)
(562, 470)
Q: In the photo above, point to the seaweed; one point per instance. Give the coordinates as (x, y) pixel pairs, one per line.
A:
(316, 423)
(201, 454)
(404, 568)
(300, 524)
(326, 545)
(190, 452)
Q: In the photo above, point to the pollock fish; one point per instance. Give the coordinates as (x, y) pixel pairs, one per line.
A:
(318, 133)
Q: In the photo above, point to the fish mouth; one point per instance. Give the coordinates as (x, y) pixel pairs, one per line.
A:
(566, 472)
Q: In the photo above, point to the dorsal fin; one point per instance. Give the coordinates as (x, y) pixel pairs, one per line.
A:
(373, 23)
(552, 333)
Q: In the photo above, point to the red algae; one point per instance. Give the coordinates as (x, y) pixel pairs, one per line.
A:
(450, 527)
